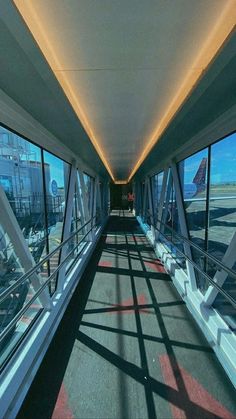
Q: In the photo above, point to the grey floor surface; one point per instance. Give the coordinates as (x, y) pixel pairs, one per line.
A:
(127, 346)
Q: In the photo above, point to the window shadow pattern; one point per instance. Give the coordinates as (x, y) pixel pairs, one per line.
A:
(109, 348)
(131, 256)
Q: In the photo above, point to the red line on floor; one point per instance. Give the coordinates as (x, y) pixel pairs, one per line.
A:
(62, 409)
(155, 266)
(141, 300)
(105, 263)
(195, 391)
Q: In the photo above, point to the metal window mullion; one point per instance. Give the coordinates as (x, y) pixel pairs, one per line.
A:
(207, 215)
(135, 192)
(145, 197)
(12, 228)
(107, 198)
(99, 200)
(167, 197)
(45, 200)
(183, 225)
(94, 207)
(150, 200)
(85, 202)
(138, 198)
(220, 276)
(67, 222)
(161, 203)
(79, 200)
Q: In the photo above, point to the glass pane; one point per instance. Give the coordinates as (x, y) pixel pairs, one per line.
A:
(22, 180)
(147, 215)
(222, 205)
(193, 178)
(177, 241)
(76, 243)
(102, 193)
(80, 200)
(56, 173)
(222, 215)
(166, 220)
(156, 187)
(10, 266)
(98, 219)
(89, 186)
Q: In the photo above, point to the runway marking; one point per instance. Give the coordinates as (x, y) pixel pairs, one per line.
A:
(195, 392)
(62, 409)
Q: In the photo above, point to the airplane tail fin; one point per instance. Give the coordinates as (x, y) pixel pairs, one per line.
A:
(200, 177)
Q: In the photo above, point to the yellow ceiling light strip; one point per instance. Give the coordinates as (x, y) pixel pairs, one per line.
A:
(222, 29)
(31, 19)
(121, 182)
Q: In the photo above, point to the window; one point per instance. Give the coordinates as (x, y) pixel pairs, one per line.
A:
(89, 186)
(35, 181)
(157, 181)
(56, 175)
(193, 179)
(222, 216)
(222, 204)
(21, 178)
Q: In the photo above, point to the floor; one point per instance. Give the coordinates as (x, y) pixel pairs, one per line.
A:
(127, 346)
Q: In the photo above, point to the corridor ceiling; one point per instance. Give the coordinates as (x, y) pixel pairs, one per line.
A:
(127, 66)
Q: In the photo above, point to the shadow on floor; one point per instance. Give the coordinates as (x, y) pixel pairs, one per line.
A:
(41, 399)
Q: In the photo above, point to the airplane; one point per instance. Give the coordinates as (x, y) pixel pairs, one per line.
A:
(198, 183)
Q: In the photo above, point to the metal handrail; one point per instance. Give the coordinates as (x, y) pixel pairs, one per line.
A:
(230, 271)
(34, 269)
(204, 274)
(20, 313)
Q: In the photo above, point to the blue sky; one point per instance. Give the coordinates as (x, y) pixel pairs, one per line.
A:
(223, 162)
(56, 168)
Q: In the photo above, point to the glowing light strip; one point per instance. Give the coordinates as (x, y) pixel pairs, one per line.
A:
(31, 19)
(222, 29)
(121, 182)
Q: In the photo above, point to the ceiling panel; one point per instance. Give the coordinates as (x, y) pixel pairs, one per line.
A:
(123, 62)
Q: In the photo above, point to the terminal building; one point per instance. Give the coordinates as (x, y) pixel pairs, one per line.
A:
(117, 209)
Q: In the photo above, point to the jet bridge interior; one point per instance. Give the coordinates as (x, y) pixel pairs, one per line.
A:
(117, 209)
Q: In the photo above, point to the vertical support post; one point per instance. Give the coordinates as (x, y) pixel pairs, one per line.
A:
(85, 204)
(150, 201)
(67, 222)
(94, 208)
(165, 210)
(99, 200)
(135, 192)
(145, 196)
(79, 200)
(108, 203)
(161, 203)
(183, 226)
